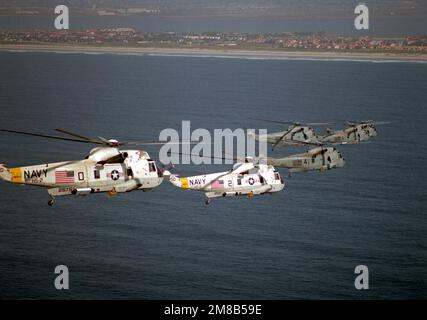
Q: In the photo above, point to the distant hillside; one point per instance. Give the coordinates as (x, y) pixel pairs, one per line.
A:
(286, 8)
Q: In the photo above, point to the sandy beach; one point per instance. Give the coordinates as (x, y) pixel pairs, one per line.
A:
(324, 55)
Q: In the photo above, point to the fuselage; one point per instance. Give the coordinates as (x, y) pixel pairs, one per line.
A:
(319, 158)
(258, 179)
(290, 137)
(103, 170)
(351, 135)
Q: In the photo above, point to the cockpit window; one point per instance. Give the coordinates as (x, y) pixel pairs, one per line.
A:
(152, 167)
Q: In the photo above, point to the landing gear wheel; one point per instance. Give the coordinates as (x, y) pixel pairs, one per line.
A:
(50, 202)
(207, 201)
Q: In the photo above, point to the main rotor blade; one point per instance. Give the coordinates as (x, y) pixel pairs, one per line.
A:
(296, 122)
(103, 140)
(97, 140)
(49, 136)
(319, 123)
(160, 143)
(273, 121)
(234, 170)
(304, 142)
(234, 157)
(373, 122)
(281, 138)
(379, 122)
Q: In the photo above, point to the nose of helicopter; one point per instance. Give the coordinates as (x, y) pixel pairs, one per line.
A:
(341, 163)
(282, 183)
(374, 132)
(278, 183)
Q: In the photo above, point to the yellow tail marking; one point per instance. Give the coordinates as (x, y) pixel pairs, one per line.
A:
(16, 175)
(184, 183)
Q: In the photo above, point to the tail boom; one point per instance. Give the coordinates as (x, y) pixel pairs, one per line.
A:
(13, 175)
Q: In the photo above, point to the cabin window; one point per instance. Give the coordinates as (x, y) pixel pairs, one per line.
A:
(129, 172)
(313, 159)
(96, 174)
(276, 176)
(261, 179)
(221, 181)
(152, 167)
(81, 176)
(329, 159)
(239, 182)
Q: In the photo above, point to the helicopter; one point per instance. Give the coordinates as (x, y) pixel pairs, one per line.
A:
(246, 178)
(295, 135)
(319, 158)
(355, 133)
(105, 169)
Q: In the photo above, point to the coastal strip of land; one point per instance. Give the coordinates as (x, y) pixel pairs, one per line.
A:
(274, 54)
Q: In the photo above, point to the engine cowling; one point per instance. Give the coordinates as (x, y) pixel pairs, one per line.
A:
(103, 154)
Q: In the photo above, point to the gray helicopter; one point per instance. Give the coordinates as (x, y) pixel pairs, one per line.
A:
(296, 135)
(356, 132)
(320, 158)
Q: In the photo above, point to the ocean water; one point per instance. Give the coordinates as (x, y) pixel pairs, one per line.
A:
(302, 243)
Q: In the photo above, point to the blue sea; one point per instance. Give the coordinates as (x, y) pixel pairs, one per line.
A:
(302, 243)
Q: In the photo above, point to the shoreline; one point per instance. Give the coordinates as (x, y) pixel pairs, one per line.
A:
(324, 55)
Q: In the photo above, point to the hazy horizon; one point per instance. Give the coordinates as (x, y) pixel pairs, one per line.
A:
(393, 18)
(287, 8)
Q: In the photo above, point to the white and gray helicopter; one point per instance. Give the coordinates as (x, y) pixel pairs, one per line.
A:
(355, 133)
(246, 178)
(104, 169)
